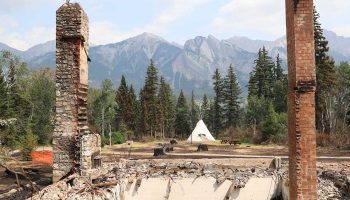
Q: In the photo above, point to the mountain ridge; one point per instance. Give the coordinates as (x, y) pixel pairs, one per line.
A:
(189, 66)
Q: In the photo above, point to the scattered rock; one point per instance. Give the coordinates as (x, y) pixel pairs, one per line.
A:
(173, 141)
(276, 163)
(158, 152)
(202, 147)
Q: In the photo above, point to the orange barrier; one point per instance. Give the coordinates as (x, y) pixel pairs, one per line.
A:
(42, 158)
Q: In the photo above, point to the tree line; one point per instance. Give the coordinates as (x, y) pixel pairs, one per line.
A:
(27, 102)
(156, 112)
(268, 88)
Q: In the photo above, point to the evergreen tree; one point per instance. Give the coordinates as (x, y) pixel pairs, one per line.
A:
(218, 101)
(141, 120)
(105, 108)
(280, 88)
(42, 98)
(211, 115)
(262, 77)
(167, 108)
(121, 99)
(150, 101)
(280, 97)
(194, 112)
(252, 84)
(231, 95)
(3, 95)
(182, 120)
(132, 108)
(162, 104)
(205, 110)
(126, 100)
(18, 105)
(343, 96)
(278, 70)
(325, 78)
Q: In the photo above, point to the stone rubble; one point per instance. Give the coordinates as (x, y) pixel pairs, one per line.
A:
(331, 184)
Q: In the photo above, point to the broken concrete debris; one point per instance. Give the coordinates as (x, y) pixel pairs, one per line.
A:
(118, 178)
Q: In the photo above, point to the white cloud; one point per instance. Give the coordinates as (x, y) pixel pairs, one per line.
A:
(28, 39)
(104, 32)
(175, 9)
(265, 17)
(342, 30)
(333, 8)
(15, 5)
(7, 23)
(335, 15)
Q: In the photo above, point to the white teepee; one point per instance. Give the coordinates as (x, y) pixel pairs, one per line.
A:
(200, 133)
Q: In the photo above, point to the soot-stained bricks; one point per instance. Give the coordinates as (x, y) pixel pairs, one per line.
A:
(301, 100)
(71, 125)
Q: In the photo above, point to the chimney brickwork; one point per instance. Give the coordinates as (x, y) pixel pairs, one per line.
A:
(72, 34)
(301, 100)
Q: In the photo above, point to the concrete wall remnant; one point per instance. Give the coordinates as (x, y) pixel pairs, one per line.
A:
(301, 99)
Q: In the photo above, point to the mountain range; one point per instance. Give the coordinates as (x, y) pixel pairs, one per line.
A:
(188, 67)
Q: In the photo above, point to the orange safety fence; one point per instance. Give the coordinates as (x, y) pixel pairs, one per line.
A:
(42, 158)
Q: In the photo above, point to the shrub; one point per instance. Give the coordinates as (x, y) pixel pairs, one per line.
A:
(247, 140)
(118, 138)
(27, 144)
(232, 134)
(338, 140)
(274, 127)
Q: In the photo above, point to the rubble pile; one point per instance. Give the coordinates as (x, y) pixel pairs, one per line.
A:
(333, 185)
(114, 178)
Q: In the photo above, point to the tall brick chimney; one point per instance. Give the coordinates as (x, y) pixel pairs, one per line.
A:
(301, 100)
(72, 34)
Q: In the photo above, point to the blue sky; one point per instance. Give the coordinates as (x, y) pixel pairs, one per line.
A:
(24, 23)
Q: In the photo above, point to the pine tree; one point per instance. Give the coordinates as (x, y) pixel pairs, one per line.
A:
(162, 104)
(122, 97)
(280, 87)
(211, 115)
(252, 84)
(280, 95)
(42, 98)
(278, 70)
(182, 121)
(262, 77)
(12, 87)
(150, 101)
(167, 108)
(18, 105)
(132, 107)
(218, 101)
(3, 95)
(205, 115)
(266, 77)
(141, 119)
(325, 77)
(194, 112)
(231, 95)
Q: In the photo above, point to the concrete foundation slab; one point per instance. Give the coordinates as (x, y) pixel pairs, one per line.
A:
(200, 188)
